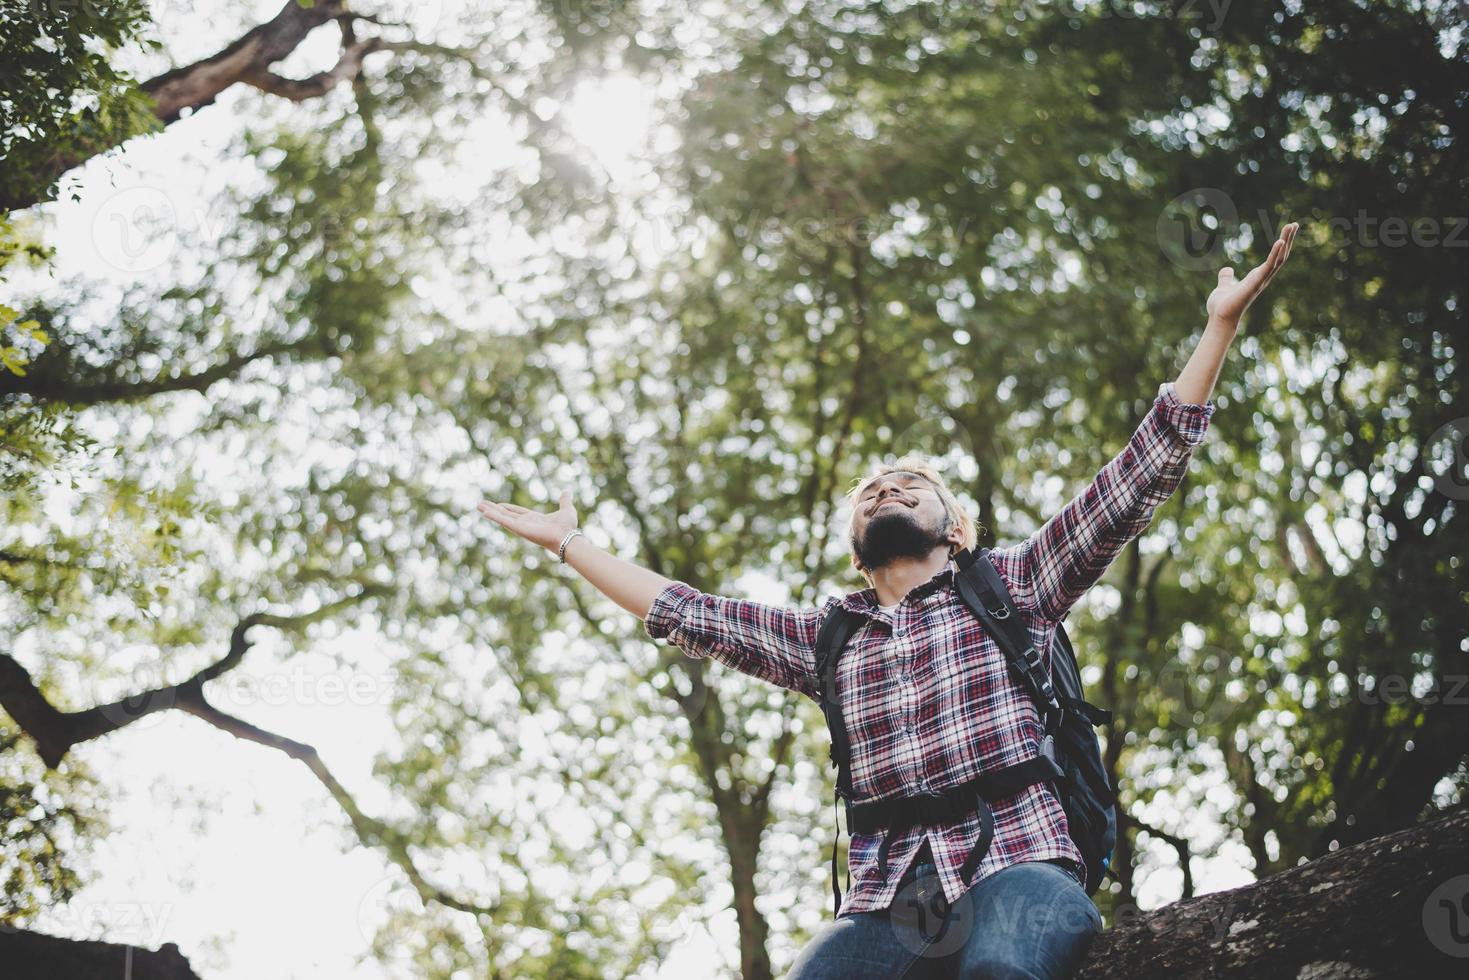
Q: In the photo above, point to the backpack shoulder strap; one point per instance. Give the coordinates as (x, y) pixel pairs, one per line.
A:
(1067, 676)
(985, 593)
(836, 628)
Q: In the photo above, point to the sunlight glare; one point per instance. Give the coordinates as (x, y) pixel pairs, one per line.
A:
(612, 118)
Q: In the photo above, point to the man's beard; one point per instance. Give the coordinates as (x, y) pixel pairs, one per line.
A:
(893, 533)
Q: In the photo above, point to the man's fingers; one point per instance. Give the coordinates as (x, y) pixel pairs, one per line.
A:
(498, 514)
(514, 509)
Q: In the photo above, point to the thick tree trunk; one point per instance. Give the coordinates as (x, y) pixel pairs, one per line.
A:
(744, 840)
(33, 956)
(1396, 906)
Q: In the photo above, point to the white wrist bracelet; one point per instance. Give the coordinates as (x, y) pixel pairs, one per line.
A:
(561, 552)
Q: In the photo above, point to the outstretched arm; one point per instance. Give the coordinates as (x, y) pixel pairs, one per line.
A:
(772, 643)
(1226, 305)
(1055, 566)
(630, 586)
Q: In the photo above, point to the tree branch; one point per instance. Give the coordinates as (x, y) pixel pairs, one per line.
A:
(55, 731)
(1370, 910)
(196, 85)
(79, 392)
(348, 66)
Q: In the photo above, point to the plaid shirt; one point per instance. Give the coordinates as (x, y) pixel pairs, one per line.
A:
(928, 700)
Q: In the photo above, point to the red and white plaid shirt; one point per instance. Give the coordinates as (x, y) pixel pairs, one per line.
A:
(928, 700)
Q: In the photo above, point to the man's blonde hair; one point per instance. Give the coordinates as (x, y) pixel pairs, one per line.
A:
(921, 466)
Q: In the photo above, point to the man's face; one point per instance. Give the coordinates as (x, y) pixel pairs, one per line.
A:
(898, 515)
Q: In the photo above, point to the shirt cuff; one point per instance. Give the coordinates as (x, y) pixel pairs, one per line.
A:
(1190, 422)
(666, 610)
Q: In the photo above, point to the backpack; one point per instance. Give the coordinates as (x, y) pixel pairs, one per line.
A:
(1070, 755)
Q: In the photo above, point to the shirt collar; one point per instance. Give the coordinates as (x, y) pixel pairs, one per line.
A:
(865, 601)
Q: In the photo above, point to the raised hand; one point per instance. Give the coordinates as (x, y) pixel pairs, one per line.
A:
(546, 530)
(1229, 300)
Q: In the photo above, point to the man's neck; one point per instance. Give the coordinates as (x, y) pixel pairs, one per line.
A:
(902, 575)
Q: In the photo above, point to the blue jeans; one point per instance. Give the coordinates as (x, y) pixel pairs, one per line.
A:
(1029, 920)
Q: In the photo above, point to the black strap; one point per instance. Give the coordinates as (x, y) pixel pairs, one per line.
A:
(898, 814)
(954, 803)
(836, 629)
(985, 592)
(836, 892)
(982, 846)
(1093, 714)
(982, 589)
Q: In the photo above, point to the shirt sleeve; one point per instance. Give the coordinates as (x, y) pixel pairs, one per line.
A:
(1053, 568)
(772, 643)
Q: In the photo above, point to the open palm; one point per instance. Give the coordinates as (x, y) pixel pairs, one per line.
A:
(546, 530)
(1231, 298)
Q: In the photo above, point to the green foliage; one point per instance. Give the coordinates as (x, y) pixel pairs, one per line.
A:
(25, 334)
(62, 96)
(20, 338)
(47, 822)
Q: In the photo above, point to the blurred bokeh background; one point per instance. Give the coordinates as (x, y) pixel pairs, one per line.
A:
(289, 288)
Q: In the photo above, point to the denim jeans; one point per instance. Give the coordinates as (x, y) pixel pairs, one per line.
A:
(1029, 920)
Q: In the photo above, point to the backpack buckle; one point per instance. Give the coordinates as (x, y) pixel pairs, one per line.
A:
(1002, 613)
